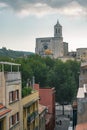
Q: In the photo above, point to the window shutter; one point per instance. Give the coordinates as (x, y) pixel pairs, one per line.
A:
(17, 94)
(17, 116)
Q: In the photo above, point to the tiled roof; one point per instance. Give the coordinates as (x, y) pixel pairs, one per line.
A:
(82, 126)
(3, 110)
(41, 108)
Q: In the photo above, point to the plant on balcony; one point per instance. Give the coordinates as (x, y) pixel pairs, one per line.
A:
(26, 91)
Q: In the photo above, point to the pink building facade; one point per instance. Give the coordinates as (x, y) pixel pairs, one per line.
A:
(47, 98)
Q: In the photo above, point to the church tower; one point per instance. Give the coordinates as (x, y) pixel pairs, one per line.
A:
(58, 30)
(52, 46)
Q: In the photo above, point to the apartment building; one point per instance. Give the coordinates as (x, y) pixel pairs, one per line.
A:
(17, 112)
(10, 96)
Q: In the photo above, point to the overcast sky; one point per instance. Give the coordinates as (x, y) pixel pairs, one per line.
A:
(22, 21)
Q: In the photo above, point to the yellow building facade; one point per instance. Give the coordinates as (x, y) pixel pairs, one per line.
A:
(30, 111)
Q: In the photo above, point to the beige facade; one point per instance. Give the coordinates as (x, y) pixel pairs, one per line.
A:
(17, 113)
(52, 46)
(81, 53)
(10, 97)
(66, 58)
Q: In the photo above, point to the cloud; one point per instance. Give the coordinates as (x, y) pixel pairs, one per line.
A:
(43, 7)
(2, 6)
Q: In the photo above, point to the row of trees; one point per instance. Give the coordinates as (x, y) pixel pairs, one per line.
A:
(49, 72)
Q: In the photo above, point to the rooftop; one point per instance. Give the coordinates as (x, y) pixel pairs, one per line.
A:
(8, 63)
(41, 108)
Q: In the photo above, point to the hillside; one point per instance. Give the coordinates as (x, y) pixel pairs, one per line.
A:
(13, 54)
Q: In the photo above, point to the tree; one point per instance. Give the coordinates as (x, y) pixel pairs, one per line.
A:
(64, 78)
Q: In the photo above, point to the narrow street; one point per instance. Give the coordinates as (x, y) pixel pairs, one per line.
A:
(63, 121)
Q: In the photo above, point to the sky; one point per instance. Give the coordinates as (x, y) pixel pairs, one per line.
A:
(22, 21)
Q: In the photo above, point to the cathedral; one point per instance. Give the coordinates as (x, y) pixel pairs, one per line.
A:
(52, 46)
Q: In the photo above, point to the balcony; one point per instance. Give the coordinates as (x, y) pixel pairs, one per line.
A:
(30, 99)
(30, 117)
(36, 114)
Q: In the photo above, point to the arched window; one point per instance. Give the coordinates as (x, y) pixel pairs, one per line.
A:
(56, 30)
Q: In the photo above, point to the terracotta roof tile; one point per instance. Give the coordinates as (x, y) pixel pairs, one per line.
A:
(41, 108)
(3, 110)
(1, 106)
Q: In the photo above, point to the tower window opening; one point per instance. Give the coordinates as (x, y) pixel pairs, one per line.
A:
(56, 30)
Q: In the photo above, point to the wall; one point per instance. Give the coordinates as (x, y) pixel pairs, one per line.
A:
(82, 111)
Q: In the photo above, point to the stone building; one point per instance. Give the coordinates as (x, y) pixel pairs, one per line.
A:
(52, 46)
(81, 53)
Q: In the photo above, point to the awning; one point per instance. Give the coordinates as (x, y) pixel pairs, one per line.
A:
(30, 103)
(41, 108)
(3, 111)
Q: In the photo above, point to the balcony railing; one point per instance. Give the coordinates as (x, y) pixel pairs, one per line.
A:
(36, 114)
(32, 116)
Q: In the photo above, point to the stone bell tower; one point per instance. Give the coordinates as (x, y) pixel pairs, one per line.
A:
(58, 30)
(53, 47)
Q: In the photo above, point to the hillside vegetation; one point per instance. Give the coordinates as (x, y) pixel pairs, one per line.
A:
(13, 54)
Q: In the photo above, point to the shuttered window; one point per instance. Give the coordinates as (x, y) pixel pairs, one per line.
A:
(14, 119)
(13, 96)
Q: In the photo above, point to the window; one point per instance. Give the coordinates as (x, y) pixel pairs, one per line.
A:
(14, 119)
(13, 96)
(45, 47)
(10, 96)
(17, 116)
(56, 30)
(17, 94)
